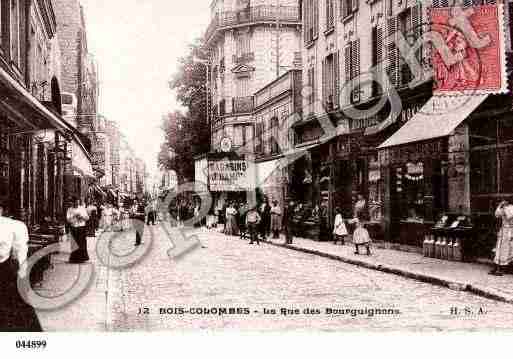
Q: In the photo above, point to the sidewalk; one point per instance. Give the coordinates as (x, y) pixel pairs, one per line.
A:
(471, 277)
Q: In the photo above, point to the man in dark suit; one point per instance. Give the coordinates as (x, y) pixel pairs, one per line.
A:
(138, 216)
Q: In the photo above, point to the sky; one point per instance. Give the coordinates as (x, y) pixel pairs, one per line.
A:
(137, 44)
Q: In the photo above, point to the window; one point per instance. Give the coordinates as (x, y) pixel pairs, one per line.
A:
(331, 81)
(311, 84)
(377, 57)
(311, 20)
(405, 28)
(330, 23)
(238, 140)
(348, 7)
(15, 32)
(242, 87)
(275, 127)
(259, 136)
(392, 57)
(242, 46)
(352, 68)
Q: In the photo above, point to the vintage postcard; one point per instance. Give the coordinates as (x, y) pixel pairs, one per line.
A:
(255, 165)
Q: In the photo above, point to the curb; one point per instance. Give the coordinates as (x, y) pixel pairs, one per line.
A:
(421, 277)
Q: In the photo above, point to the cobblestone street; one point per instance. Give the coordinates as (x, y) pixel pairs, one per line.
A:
(229, 273)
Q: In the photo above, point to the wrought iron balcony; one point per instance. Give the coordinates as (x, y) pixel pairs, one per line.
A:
(254, 14)
(244, 58)
(242, 104)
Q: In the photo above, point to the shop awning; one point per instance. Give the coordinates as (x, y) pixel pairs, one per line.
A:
(81, 162)
(437, 118)
(264, 170)
(30, 104)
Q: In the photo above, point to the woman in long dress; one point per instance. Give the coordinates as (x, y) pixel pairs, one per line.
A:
(339, 228)
(231, 228)
(15, 314)
(275, 220)
(77, 218)
(504, 246)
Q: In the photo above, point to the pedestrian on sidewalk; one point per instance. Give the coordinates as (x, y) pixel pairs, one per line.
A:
(504, 246)
(361, 236)
(77, 217)
(92, 224)
(339, 228)
(138, 215)
(231, 228)
(15, 314)
(276, 220)
(288, 215)
(253, 220)
(107, 214)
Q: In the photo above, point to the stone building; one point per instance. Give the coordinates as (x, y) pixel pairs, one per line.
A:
(38, 149)
(255, 62)
(114, 136)
(251, 44)
(370, 135)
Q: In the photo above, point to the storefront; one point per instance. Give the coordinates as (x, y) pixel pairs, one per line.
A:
(229, 176)
(426, 169)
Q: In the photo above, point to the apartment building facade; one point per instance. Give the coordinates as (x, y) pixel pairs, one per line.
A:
(353, 121)
(251, 44)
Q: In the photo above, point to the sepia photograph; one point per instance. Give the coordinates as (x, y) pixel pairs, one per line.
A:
(335, 166)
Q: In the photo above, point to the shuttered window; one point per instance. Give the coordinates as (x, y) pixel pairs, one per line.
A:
(377, 58)
(348, 7)
(275, 126)
(259, 136)
(331, 81)
(330, 9)
(311, 84)
(352, 68)
(311, 20)
(392, 56)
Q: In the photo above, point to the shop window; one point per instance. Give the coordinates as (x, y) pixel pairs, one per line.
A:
(505, 130)
(410, 189)
(483, 133)
(484, 171)
(506, 170)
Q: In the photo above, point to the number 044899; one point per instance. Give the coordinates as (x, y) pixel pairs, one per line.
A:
(30, 344)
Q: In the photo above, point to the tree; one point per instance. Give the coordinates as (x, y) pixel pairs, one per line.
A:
(187, 134)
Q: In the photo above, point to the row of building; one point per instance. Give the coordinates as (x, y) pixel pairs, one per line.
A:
(54, 145)
(287, 77)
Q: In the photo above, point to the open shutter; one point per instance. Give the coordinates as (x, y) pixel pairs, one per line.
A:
(354, 5)
(347, 58)
(324, 83)
(355, 64)
(316, 18)
(336, 82)
(342, 8)
(392, 52)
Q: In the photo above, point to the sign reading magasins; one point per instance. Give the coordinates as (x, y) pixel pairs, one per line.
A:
(231, 175)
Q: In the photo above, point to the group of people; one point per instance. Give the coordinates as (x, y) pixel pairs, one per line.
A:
(259, 222)
(264, 220)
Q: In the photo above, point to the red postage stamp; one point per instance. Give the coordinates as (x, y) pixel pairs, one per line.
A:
(468, 50)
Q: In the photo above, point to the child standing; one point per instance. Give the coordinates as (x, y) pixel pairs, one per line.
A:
(361, 236)
(339, 228)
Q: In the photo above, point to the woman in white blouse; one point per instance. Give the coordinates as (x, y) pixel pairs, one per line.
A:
(15, 313)
(77, 217)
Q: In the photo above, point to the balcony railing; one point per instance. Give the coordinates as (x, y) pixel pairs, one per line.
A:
(242, 104)
(244, 58)
(262, 13)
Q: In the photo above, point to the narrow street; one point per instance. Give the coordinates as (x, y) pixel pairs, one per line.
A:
(229, 273)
